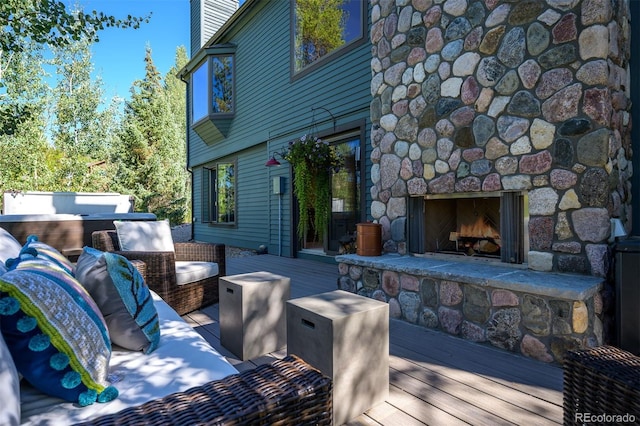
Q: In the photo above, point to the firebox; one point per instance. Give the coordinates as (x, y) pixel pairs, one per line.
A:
(481, 225)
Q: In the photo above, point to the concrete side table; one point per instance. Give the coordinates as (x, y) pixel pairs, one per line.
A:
(252, 313)
(345, 336)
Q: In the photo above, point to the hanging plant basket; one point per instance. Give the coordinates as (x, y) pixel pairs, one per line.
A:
(312, 160)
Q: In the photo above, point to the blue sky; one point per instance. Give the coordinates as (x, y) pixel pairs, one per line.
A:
(119, 55)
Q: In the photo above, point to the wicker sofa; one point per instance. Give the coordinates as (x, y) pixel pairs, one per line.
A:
(182, 381)
(285, 392)
(187, 382)
(161, 270)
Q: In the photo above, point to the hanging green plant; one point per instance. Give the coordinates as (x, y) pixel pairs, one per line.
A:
(312, 160)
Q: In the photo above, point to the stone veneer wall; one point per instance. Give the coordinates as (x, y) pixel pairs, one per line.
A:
(519, 311)
(495, 95)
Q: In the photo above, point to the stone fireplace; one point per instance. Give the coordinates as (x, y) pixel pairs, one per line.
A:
(473, 97)
(475, 101)
(489, 226)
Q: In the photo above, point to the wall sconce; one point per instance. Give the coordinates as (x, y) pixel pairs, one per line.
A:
(273, 162)
(617, 230)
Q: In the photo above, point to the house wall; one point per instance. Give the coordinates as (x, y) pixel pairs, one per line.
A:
(501, 95)
(272, 108)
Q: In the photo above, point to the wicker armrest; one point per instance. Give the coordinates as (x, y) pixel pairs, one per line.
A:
(202, 252)
(105, 240)
(287, 391)
(600, 381)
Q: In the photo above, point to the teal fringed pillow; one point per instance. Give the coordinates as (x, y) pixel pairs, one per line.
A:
(123, 298)
(55, 333)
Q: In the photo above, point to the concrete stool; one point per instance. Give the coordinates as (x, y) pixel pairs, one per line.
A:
(346, 337)
(252, 313)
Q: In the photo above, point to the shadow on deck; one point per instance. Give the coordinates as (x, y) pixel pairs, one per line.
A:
(434, 378)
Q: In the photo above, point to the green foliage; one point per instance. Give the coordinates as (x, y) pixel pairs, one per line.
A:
(76, 128)
(61, 139)
(319, 29)
(45, 23)
(151, 153)
(312, 160)
(79, 130)
(48, 22)
(25, 156)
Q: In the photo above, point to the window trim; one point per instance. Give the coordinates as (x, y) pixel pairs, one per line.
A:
(335, 54)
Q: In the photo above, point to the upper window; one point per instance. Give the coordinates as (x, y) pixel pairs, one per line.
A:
(212, 88)
(199, 92)
(222, 84)
(324, 26)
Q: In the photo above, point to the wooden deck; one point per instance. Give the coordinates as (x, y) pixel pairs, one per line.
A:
(435, 379)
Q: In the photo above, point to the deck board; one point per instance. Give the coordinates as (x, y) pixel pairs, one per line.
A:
(434, 378)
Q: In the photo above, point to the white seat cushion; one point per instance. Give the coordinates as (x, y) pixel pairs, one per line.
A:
(144, 236)
(182, 360)
(188, 272)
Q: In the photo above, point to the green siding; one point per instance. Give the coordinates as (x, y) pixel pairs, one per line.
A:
(252, 203)
(272, 108)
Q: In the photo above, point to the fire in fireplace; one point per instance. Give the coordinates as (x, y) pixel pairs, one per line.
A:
(487, 225)
(479, 237)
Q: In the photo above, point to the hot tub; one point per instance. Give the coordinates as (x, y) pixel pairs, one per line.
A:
(68, 233)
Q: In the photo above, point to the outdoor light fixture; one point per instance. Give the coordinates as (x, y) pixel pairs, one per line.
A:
(272, 162)
(617, 230)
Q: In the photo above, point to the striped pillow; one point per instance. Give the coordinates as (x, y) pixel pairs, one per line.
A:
(55, 332)
(44, 251)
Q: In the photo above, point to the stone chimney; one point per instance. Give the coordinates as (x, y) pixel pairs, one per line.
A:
(499, 96)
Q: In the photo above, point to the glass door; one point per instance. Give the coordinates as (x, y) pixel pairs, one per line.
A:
(345, 195)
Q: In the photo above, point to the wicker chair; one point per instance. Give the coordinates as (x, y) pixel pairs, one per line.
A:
(285, 392)
(600, 382)
(161, 270)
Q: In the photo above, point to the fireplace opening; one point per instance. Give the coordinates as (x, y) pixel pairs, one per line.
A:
(466, 226)
(487, 225)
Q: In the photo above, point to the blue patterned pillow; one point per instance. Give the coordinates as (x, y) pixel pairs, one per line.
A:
(55, 333)
(123, 298)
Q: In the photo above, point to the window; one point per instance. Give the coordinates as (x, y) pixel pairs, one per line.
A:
(199, 102)
(212, 88)
(222, 84)
(219, 194)
(324, 26)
